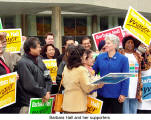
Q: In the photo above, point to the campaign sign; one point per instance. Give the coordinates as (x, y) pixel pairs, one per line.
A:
(51, 65)
(97, 37)
(113, 78)
(94, 105)
(8, 89)
(146, 91)
(13, 40)
(138, 25)
(37, 107)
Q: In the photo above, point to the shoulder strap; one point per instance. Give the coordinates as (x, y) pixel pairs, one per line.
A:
(60, 85)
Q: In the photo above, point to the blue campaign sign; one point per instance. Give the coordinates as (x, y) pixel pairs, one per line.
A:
(113, 78)
(146, 93)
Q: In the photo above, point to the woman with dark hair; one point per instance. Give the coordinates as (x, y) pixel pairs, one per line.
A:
(48, 51)
(62, 64)
(76, 81)
(131, 102)
(89, 61)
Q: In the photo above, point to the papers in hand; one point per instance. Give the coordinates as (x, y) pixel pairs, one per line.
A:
(113, 78)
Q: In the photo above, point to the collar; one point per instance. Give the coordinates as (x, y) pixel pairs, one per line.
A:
(33, 58)
(106, 56)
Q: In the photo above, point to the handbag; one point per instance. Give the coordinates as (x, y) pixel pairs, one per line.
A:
(58, 100)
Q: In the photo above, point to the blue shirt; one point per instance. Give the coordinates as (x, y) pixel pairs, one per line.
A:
(117, 64)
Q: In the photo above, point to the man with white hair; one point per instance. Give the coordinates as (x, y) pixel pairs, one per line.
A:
(113, 95)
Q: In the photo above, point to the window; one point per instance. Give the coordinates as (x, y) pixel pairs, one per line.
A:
(43, 25)
(8, 22)
(81, 26)
(103, 23)
(75, 26)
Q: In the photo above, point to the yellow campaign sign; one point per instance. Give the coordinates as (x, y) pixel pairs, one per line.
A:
(51, 65)
(7, 89)
(94, 105)
(14, 40)
(138, 25)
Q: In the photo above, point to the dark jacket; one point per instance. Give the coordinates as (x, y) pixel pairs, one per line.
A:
(57, 52)
(32, 83)
(59, 74)
(60, 59)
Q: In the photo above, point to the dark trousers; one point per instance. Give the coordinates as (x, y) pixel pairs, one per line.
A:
(144, 111)
(54, 89)
(12, 109)
(111, 106)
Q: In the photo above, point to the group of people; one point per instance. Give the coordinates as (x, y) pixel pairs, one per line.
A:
(77, 68)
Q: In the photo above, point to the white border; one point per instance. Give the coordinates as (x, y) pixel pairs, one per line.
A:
(116, 77)
(1, 30)
(14, 73)
(105, 31)
(1, 23)
(49, 59)
(39, 99)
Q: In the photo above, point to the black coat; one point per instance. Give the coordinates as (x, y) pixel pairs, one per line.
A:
(57, 52)
(14, 108)
(59, 75)
(31, 83)
(60, 59)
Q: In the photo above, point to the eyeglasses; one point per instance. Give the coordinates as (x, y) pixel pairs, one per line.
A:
(86, 43)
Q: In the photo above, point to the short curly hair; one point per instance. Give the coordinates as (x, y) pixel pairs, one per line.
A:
(115, 39)
(125, 39)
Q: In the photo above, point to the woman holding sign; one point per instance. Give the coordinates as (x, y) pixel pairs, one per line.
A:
(131, 102)
(76, 81)
(113, 95)
(48, 51)
(144, 107)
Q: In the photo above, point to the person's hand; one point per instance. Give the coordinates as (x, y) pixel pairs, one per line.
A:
(100, 85)
(121, 98)
(46, 97)
(17, 77)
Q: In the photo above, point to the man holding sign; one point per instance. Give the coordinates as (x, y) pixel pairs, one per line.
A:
(11, 59)
(131, 102)
(7, 64)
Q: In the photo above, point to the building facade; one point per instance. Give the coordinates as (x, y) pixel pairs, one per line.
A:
(67, 17)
